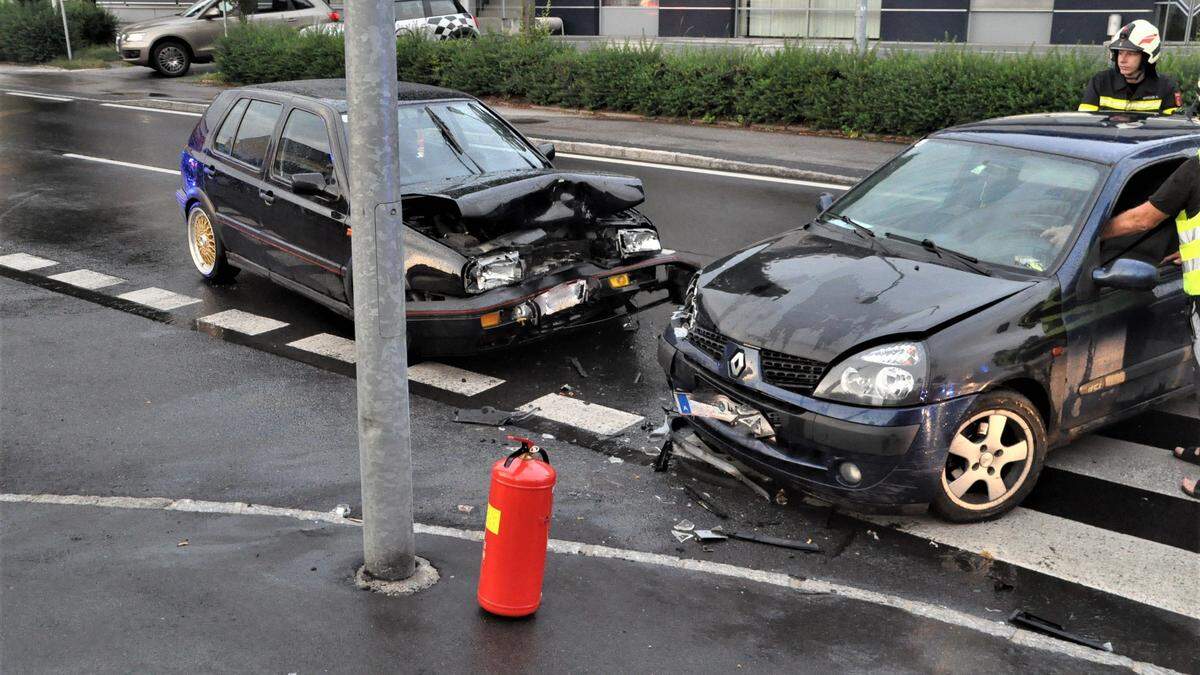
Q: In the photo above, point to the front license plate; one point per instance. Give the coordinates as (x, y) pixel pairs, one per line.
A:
(722, 408)
(562, 297)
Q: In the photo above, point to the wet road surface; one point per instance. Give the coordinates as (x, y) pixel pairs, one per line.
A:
(123, 221)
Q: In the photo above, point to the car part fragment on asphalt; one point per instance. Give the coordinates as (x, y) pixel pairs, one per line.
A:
(341, 510)
(682, 536)
(711, 535)
(578, 367)
(706, 502)
(1037, 624)
(490, 417)
(687, 444)
(685, 526)
(776, 541)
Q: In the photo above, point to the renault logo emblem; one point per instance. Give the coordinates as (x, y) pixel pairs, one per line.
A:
(737, 363)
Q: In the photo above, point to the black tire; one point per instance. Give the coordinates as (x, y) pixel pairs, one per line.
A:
(968, 490)
(171, 58)
(206, 249)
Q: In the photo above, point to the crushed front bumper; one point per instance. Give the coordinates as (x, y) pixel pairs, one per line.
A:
(457, 326)
(900, 452)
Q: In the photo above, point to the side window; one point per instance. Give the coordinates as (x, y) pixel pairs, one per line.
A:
(223, 142)
(1161, 242)
(443, 7)
(301, 4)
(254, 134)
(303, 147)
(271, 6)
(409, 9)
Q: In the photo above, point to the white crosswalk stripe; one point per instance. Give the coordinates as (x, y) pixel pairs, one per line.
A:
(598, 419)
(452, 379)
(327, 345)
(158, 298)
(1134, 568)
(1140, 466)
(242, 322)
(87, 279)
(24, 262)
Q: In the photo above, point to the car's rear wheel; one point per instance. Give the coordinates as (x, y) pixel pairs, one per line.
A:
(208, 253)
(994, 458)
(171, 58)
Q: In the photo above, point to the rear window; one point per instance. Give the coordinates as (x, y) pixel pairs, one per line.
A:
(223, 143)
(254, 134)
(409, 9)
(443, 7)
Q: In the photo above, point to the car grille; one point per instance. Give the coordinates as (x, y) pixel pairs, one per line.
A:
(789, 372)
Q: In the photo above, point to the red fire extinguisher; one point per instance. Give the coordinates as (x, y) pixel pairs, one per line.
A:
(516, 532)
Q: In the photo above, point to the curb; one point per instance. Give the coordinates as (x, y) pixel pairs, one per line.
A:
(694, 161)
(615, 152)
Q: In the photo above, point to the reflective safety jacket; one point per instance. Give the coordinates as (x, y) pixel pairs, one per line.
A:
(1108, 90)
(1180, 193)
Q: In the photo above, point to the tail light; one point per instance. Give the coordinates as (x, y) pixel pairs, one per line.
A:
(334, 16)
(474, 20)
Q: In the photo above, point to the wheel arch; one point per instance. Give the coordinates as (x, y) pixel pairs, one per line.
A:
(1036, 393)
(173, 38)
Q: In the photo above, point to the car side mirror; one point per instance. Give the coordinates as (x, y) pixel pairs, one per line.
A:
(824, 202)
(309, 184)
(213, 12)
(547, 150)
(1127, 274)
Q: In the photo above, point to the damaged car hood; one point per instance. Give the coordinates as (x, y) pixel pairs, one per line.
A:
(817, 297)
(545, 198)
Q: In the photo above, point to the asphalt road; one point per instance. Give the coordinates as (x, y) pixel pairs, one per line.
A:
(122, 220)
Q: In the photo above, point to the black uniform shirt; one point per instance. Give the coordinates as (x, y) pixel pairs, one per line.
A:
(1180, 192)
(1108, 90)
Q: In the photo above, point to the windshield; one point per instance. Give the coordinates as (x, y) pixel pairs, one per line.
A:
(445, 140)
(1004, 206)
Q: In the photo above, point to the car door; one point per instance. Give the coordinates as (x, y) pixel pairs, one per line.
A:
(410, 16)
(271, 12)
(1126, 347)
(303, 13)
(312, 229)
(204, 31)
(235, 182)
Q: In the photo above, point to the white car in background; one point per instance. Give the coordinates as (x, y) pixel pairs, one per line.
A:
(439, 19)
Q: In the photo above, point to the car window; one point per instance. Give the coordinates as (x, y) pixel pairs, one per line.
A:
(223, 142)
(303, 147)
(254, 134)
(1011, 207)
(442, 7)
(409, 9)
(301, 4)
(1152, 246)
(271, 6)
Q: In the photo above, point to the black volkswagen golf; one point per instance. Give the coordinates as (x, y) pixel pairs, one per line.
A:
(501, 247)
(933, 333)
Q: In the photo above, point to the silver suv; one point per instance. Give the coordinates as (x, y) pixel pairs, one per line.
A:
(171, 44)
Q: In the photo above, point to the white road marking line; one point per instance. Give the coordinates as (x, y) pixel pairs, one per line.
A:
(157, 110)
(598, 419)
(452, 379)
(158, 298)
(325, 344)
(806, 586)
(41, 96)
(24, 262)
(242, 322)
(1140, 466)
(711, 172)
(1134, 568)
(131, 165)
(88, 279)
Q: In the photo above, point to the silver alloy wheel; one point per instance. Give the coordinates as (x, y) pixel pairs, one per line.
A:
(989, 460)
(171, 59)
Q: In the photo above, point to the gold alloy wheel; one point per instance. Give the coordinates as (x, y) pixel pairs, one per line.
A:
(989, 460)
(202, 242)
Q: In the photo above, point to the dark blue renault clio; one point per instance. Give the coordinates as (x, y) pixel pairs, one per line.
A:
(933, 333)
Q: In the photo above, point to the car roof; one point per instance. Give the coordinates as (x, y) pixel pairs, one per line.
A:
(1099, 137)
(333, 91)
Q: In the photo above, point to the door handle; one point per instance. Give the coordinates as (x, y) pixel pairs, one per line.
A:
(267, 196)
(209, 170)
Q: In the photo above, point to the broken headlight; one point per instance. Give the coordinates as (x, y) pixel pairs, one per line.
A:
(889, 375)
(685, 314)
(637, 240)
(493, 271)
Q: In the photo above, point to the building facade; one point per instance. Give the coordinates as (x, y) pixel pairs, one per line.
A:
(1062, 22)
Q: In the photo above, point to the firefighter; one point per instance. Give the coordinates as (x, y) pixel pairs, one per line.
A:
(1133, 84)
(1180, 194)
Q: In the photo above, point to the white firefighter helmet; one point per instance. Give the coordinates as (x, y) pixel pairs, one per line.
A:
(1138, 36)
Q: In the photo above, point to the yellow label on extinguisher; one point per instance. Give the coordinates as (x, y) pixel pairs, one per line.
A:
(493, 520)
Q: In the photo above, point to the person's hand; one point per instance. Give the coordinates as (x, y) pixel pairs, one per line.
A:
(1173, 258)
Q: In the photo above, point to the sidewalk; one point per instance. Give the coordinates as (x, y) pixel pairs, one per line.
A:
(808, 157)
(116, 405)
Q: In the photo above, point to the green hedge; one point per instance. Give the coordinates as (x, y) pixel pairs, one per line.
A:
(905, 93)
(32, 32)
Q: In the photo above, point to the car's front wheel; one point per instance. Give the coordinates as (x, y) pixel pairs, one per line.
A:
(208, 253)
(171, 58)
(994, 458)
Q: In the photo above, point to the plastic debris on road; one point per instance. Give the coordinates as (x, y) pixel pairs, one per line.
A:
(341, 510)
(465, 508)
